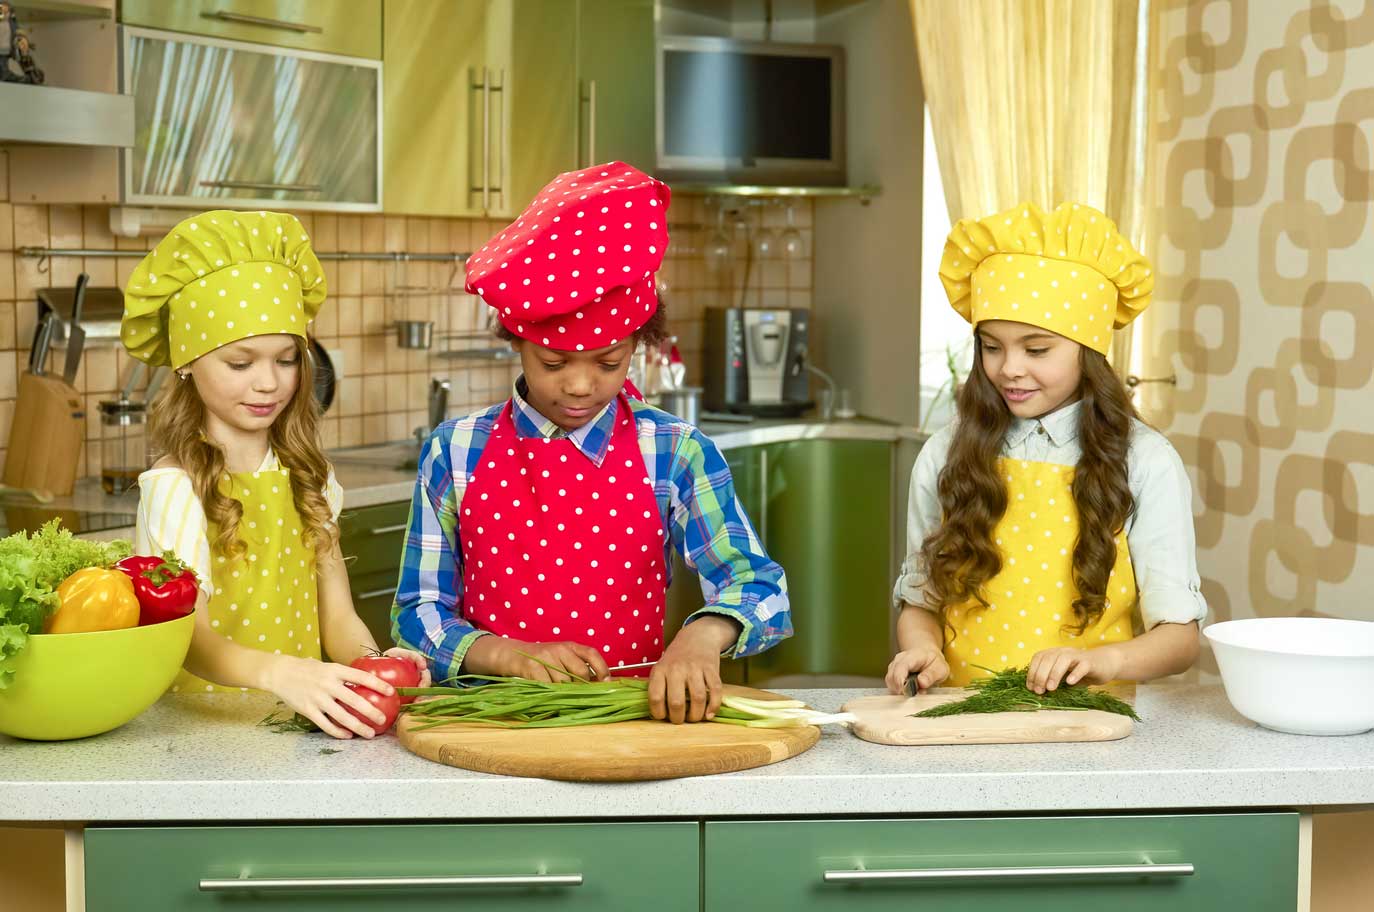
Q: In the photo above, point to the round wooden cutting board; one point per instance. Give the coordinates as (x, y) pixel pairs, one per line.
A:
(616, 752)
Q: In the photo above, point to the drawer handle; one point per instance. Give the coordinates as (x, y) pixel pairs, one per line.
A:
(245, 19)
(261, 185)
(387, 530)
(279, 884)
(376, 593)
(1036, 873)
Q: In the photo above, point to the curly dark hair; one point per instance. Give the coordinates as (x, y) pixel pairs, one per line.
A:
(960, 554)
(654, 330)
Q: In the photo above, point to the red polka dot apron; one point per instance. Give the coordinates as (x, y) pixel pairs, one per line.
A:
(558, 548)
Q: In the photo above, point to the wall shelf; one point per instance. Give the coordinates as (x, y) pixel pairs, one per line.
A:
(862, 193)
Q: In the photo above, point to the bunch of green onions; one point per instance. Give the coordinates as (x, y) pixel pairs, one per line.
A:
(522, 703)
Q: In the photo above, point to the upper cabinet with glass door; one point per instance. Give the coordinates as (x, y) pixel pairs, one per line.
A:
(249, 124)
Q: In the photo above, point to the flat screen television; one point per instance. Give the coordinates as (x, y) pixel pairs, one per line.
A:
(750, 112)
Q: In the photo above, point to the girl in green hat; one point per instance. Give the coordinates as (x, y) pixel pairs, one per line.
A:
(243, 492)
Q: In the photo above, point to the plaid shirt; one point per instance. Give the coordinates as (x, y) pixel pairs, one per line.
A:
(696, 499)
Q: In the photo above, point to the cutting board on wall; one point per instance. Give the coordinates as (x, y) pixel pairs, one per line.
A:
(617, 752)
(888, 719)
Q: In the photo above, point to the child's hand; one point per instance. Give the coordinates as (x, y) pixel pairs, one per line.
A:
(926, 662)
(1049, 667)
(495, 655)
(316, 690)
(411, 655)
(685, 685)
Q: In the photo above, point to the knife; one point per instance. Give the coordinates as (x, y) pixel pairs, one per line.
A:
(910, 687)
(38, 355)
(76, 336)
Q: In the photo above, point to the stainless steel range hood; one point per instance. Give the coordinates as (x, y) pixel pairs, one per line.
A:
(50, 116)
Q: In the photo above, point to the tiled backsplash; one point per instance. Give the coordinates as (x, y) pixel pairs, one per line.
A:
(382, 393)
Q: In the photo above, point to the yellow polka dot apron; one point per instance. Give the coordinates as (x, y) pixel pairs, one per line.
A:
(1031, 599)
(265, 599)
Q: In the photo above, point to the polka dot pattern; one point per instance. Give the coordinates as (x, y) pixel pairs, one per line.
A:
(576, 270)
(530, 549)
(261, 261)
(1068, 271)
(268, 599)
(1032, 597)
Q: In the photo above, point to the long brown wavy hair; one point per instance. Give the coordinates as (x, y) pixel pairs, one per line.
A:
(960, 556)
(176, 427)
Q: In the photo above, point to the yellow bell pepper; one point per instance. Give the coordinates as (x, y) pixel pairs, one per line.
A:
(94, 599)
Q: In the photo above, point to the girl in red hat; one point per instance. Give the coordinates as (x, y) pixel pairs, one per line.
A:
(543, 528)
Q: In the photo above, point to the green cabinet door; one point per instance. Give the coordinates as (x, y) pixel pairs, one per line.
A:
(371, 540)
(436, 106)
(351, 27)
(616, 82)
(546, 866)
(1238, 861)
(541, 82)
(826, 519)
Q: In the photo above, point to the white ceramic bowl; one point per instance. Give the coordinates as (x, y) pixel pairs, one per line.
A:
(1306, 676)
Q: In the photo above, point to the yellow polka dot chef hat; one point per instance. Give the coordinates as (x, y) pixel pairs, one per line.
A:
(1069, 271)
(219, 277)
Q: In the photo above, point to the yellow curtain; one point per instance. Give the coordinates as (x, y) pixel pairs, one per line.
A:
(1042, 100)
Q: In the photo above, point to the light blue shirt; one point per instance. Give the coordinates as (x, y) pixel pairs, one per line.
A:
(1159, 534)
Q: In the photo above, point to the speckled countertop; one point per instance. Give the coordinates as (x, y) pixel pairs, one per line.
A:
(203, 758)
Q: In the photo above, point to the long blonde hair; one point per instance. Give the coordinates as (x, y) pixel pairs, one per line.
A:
(176, 427)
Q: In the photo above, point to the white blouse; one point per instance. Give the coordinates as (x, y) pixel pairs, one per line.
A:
(171, 518)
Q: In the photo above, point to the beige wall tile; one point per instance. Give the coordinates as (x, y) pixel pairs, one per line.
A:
(65, 226)
(6, 226)
(30, 226)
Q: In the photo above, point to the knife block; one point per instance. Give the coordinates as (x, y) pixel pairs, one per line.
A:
(46, 435)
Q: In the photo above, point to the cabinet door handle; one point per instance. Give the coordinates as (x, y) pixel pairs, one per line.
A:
(479, 86)
(387, 530)
(375, 593)
(261, 185)
(591, 123)
(485, 187)
(343, 884)
(245, 19)
(763, 500)
(1005, 874)
(499, 89)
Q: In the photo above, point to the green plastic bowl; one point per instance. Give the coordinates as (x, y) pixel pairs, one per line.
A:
(73, 685)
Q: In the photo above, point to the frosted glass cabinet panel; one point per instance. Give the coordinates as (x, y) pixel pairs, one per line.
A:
(250, 124)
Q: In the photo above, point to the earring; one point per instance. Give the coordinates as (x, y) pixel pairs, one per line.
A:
(183, 375)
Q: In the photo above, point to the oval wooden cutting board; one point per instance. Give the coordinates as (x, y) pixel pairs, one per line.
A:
(617, 752)
(888, 719)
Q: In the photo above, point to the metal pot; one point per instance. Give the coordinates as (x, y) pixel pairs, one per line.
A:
(414, 333)
(684, 403)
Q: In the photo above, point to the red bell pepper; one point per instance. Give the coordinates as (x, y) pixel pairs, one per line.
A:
(165, 587)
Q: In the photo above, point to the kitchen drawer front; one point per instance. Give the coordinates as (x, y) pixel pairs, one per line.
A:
(1241, 861)
(621, 866)
(350, 27)
(372, 538)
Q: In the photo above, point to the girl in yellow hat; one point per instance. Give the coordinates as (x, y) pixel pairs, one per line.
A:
(244, 493)
(1047, 526)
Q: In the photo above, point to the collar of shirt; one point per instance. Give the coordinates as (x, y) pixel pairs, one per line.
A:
(1060, 426)
(591, 439)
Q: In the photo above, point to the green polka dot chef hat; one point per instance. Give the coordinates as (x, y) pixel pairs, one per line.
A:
(219, 277)
(1069, 271)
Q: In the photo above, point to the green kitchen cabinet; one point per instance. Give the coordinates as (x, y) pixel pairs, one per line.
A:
(822, 509)
(371, 539)
(443, 108)
(541, 83)
(826, 518)
(1175, 863)
(616, 79)
(349, 27)
(591, 866)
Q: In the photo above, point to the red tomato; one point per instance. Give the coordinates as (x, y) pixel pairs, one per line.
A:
(390, 705)
(394, 671)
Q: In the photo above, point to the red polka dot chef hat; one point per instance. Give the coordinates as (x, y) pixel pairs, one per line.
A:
(575, 271)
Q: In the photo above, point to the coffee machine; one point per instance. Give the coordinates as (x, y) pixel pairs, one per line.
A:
(755, 360)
